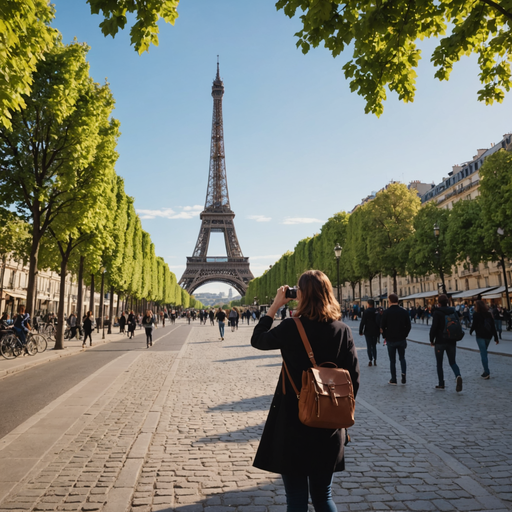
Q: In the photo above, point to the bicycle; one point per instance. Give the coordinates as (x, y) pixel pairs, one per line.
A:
(39, 340)
(11, 346)
(48, 330)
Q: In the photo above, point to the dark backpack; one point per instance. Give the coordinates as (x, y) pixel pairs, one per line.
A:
(452, 329)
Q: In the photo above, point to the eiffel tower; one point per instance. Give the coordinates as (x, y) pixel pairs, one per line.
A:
(217, 217)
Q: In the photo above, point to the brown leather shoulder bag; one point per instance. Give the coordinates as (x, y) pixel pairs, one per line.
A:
(326, 398)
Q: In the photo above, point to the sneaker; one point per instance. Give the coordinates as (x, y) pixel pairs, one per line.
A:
(370, 363)
(486, 376)
(458, 387)
(440, 387)
(83, 345)
(392, 382)
(403, 378)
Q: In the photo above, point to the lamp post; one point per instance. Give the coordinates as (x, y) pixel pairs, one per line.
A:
(337, 253)
(102, 297)
(501, 232)
(437, 232)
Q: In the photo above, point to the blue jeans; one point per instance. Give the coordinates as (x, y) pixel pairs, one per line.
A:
(296, 488)
(393, 348)
(483, 344)
(22, 335)
(221, 329)
(498, 324)
(371, 346)
(450, 352)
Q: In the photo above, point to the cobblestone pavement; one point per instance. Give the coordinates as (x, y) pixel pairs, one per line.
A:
(178, 433)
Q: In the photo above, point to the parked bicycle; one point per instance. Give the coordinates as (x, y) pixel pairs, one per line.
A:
(11, 346)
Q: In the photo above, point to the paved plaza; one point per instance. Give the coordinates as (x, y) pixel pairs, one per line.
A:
(177, 431)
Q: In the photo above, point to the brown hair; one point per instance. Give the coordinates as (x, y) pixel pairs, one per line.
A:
(317, 301)
(21, 309)
(393, 298)
(481, 306)
(443, 299)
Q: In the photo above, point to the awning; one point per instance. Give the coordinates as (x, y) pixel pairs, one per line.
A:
(421, 295)
(16, 294)
(495, 294)
(473, 293)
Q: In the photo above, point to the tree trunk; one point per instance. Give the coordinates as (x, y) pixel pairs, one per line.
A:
(360, 301)
(79, 297)
(395, 282)
(91, 298)
(61, 321)
(111, 309)
(32, 271)
(4, 264)
(102, 295)
(371, 289)
(505, 281)
(117, 306)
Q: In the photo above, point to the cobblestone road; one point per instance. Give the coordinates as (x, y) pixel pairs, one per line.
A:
(179, 432)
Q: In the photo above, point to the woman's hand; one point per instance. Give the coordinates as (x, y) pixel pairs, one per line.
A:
(281, 299)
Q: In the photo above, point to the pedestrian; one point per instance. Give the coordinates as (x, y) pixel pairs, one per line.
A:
(122, 323)
(248, 316)
(499, 316)
(442, 344)
(173, 316)
(22, 324)
(395, 326)
(485, 329)
(221, 317)
(88, 328)
(132, 323)
(211, 314)
(232, 319)
(370, 328)
(306, 457)
(148, 322)
(72, 326)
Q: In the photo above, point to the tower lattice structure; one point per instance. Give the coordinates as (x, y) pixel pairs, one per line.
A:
(217, 217)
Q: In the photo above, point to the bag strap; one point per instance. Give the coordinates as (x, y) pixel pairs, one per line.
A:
(305, 340)
(309, 351)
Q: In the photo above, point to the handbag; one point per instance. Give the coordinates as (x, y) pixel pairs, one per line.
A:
(326, 398)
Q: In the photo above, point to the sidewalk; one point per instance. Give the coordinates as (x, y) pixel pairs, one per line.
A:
(71, 347)
(177, 432)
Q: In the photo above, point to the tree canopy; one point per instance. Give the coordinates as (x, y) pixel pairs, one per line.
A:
(383, 37)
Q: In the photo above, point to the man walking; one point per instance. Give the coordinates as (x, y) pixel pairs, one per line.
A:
(443, 344)
(370, 328)
(395, 327)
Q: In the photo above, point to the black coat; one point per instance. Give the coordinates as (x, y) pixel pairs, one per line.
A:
(438, 321)
(287, 446)
(479, 327)
(395, 324)
(369, 323)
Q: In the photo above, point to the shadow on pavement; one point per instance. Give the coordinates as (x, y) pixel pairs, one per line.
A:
(257, 498)
(259, 403)
(270, 356)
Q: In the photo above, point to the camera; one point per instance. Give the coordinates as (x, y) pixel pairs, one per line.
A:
(291, 293)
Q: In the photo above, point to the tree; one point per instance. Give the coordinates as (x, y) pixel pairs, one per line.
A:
(384, 38)
(148, 12)
(390, 226)
(428, 254)
(24, 38)
(333, 232)
(55, 137)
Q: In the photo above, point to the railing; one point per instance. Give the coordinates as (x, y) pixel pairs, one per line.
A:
(216, 259)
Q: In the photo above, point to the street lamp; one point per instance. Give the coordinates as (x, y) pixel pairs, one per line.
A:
(337, 253)
(437, 232)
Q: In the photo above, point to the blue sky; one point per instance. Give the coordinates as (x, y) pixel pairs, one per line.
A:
(298, 145)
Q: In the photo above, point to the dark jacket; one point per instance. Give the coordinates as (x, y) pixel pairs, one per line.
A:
(122, 321)
(438, 323)
(480, 328)
(287, 446)
(369, 324)
(87, 325)
(395, 324)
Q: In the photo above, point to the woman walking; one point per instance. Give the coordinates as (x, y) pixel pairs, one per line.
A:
(148, 322)
(485, 329)
(306, 457)
(88, 327)
(232, 319)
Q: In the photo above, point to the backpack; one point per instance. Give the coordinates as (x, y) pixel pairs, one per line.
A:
(326, 398)
(452, 329)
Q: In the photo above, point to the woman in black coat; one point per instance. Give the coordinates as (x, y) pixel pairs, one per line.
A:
(304, 455)
(485, 329)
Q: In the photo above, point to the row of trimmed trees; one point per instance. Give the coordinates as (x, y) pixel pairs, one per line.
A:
(393, 235)
(57, 175)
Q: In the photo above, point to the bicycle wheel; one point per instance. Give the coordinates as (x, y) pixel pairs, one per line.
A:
(9, 347)
(51, 332)
(40, 342)
(31, 348)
